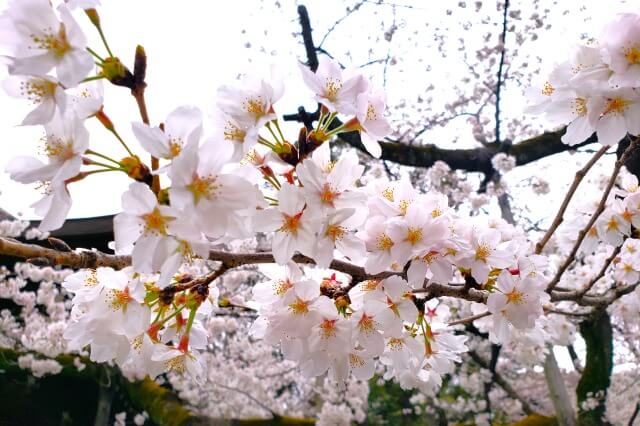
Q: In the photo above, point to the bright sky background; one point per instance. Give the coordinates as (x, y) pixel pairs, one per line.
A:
(198, 45)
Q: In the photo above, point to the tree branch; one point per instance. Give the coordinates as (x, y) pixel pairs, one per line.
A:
(506, 386)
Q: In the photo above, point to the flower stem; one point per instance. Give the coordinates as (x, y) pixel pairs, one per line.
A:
(104, 40)
(94, 54)
(91, 152)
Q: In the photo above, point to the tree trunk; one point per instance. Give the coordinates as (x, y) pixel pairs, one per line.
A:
(596, 376)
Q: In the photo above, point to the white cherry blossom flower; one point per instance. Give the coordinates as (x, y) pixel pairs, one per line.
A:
(516, 301)
(199, 186)
(251, 106)
(64, 145)
(400, 307)
(333, 88)
(43, 92)
(615, 113)
(336, 233)
(370, 115)
(294, 225)
(39, 41)
(182, 127)
(144, 225)
(621, 48)
(486, 252)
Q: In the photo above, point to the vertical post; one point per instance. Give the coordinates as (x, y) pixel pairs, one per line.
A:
(558, 391)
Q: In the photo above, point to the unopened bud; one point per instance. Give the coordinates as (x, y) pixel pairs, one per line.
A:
(114, 71)
(136, 169)
(93, 17)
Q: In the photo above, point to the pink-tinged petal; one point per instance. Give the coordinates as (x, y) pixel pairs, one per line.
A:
(371, 145)
(578, 131)
(138, 200)
(183, 167)
(363, 371)
(282, 247)
(290, 200)
(312, 80)
(143, 252)
(127, 228)
(316, 365)
(323, 253)
(67, 170)
(268, 220)
(74, 67)
(416, 273)
(395, 287)
(307, 290)
(611, 129)
(408, 311)
(41, 115)
(351, 247)
(152, 139)
(213, 155)
(480, 272)
(25, 169)
(184, 122)
(310, 176)
(54, 207)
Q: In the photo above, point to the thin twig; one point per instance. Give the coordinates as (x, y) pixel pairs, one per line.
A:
(469, 319)
(580, 174)
(603, 201)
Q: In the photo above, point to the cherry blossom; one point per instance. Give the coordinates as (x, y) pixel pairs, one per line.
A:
(40, 41)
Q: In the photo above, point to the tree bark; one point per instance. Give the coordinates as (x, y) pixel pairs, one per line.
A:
(596, 376)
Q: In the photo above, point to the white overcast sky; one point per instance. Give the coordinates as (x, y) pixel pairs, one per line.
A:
(193, 47)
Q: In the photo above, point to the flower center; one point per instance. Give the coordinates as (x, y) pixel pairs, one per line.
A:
(290, 224)
(372, 114)
(58, 148)
(36, 90)
(332, 87)
(335, 232)
(203, 187)
(366, 324)
(414, 236)
(356, 361)
(155, 223)
(388, 194)
(328, 328)
(403, 206)
(58, 45)
(482, 252)
(328, 194)
(384, 242)
(299, 307)
(118, 299)
(515, 297)
(233, 132)
(579, 106)
(254, 106)
(175, 146)
(547, 89)
(616, 106)
(633, 55)
(280, 287)
(395, 344)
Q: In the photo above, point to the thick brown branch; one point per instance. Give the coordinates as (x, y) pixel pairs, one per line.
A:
(83, 259)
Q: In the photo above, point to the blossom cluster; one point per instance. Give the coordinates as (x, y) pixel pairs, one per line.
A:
(204, 190)
(596, 90)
